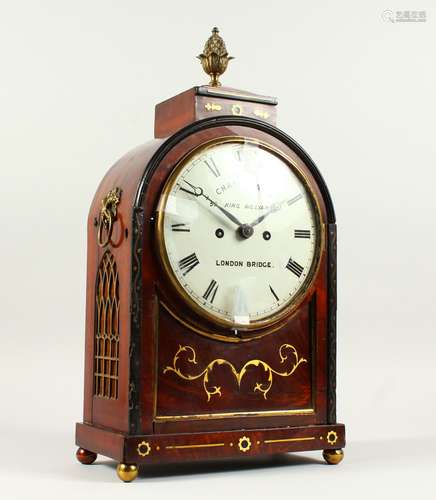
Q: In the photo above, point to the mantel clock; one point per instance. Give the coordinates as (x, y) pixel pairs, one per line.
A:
(211, 290)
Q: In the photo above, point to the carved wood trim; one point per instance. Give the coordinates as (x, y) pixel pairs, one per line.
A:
(332, 298)
(136, 313)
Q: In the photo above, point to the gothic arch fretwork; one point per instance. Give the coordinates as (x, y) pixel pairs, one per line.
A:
(106, 343)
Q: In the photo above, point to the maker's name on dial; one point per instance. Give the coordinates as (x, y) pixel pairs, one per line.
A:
(242, 263)
(253, 206)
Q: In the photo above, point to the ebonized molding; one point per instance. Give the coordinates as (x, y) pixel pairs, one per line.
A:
(234, 120)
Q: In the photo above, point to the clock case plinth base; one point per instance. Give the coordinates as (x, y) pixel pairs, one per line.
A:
(167, 448)
(116, 426)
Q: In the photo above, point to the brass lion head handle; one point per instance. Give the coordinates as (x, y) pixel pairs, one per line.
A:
(108, 215)
(215, 58)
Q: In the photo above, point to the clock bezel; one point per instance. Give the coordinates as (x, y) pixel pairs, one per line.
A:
(287, 310)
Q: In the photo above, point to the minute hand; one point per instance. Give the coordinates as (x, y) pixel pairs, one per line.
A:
(264, 215)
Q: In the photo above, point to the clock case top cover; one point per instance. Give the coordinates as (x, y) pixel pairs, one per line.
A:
(168, 381)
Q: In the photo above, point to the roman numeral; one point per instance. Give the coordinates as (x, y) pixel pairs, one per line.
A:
(188, 263)
(302, 233)
(212, 166)
(274, 293)
(211, 291)
(294, 267)
(244, 153)
(180, 228)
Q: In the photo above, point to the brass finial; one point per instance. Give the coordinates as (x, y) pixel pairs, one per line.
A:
(215, 57)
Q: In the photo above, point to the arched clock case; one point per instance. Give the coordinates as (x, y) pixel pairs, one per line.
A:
(165, 379)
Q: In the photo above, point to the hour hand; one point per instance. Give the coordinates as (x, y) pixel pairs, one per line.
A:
(226, 212)
(198, 191)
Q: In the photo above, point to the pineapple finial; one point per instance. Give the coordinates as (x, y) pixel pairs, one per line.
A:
(214, 58)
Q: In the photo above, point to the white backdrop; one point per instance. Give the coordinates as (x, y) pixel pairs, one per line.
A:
(78, 85)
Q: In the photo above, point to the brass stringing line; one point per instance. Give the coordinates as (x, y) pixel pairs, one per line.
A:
(215, 415)
(186, 446)
(106, 360)
(288, 440)
(261, 387)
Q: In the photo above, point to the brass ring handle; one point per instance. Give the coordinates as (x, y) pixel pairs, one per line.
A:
(104, 221)
(108, 214)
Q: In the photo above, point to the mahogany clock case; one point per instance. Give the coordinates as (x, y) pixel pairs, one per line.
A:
(159, 413)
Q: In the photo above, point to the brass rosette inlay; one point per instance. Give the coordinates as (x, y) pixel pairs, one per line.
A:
(143, 448)
(244, 444)
(237, 109)
(332, 437)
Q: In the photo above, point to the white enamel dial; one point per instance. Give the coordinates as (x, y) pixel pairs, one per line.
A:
(239, 232)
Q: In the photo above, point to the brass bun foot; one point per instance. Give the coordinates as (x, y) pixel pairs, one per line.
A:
(333, 457)
(127, 472)
(85, 457)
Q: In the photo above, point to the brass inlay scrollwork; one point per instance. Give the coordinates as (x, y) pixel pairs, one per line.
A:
(261, 114)
(108, 214)
(285, 351)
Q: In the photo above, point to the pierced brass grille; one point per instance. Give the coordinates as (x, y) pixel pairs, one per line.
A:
(106, 348)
